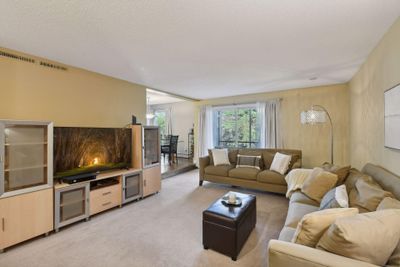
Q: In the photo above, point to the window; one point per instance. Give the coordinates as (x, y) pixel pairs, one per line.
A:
(236, 126)
(160, 120)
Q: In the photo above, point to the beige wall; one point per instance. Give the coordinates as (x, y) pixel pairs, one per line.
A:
(312, 140)
(380, 72)
(69, 98)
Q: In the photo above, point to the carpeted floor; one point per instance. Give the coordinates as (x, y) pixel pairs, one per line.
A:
(161, 230)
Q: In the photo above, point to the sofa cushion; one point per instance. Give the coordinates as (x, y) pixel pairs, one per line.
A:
(271, 177)
(313, 225)
(300, 197)
(221, 170)
(341, 172)
(296, 212)
(244, 173)
(268, 157)
(287, 234)
(316, 186)
(370, 237)
(367, 194)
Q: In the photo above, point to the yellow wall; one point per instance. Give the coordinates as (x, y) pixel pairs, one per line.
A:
(312, 140)
(380, 72)
(69, 98)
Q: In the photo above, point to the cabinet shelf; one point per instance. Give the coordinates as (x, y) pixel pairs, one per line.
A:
(75, 201)
(26, 168)
(26, 144)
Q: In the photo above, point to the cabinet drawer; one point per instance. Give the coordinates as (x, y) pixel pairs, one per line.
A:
(105, 198)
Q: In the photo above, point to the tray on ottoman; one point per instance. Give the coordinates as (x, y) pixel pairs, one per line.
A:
(226, 228)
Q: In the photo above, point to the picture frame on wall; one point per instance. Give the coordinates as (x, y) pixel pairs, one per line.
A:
(392, 117)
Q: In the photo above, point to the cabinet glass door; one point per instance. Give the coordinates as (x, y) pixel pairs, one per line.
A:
(25, 156)
(151, 146)
(72, 204)
(132, 186)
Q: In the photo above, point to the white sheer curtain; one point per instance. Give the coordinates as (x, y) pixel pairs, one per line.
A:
(268, 117)
(168, 120)
(205, 130)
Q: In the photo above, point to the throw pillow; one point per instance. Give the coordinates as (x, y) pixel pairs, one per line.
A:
(335, 198)
(313, 225)
(367, 194)
(391, 203)
(220, 157)
(353, 177)
(315, 187)
(280, 163)
(388, 203)
(341, 172)
(369, 237)
(248, 161)
(232, 153)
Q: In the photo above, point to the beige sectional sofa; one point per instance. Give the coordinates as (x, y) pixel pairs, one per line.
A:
(283, 253)
(262, 179)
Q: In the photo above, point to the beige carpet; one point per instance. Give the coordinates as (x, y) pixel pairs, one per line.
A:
(161, 230)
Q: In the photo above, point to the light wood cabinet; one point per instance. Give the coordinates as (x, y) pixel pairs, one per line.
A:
(25, 216)
(151, 180)
(146, 155)
(105, 198)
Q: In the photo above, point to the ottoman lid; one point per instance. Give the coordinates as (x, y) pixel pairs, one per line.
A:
(228, 215)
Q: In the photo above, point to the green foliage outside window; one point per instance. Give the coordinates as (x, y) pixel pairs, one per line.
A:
(237, 127)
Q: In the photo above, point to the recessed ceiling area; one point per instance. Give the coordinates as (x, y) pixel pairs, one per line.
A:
(155, 97)
(203, 49)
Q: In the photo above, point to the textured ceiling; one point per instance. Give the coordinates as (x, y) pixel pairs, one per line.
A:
(203, 48)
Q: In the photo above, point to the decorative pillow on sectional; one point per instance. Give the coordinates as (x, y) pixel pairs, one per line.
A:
(341, 172)
(220, 157)
(388, 203)
(391, 203)
(370, 237)
(335, 198)
(316, 186)
(281, 162)
(367, 194)
(248, 161)
(353, 177)
(313, 225)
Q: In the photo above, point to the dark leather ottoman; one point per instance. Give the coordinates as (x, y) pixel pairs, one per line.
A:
(226, 228)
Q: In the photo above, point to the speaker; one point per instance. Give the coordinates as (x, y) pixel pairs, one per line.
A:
(134, 120)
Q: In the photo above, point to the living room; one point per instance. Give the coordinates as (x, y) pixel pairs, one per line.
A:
(295, 135)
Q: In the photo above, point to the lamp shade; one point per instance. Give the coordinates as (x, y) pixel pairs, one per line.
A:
(313, 116)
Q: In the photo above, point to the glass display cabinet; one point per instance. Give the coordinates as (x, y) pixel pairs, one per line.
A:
(151, 146)
(26, 157)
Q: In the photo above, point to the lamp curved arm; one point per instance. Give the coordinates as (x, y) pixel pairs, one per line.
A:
(330, 122)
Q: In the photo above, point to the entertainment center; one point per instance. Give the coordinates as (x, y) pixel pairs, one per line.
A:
(95, 169)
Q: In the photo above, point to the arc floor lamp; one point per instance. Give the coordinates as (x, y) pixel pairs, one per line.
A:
(318, 115)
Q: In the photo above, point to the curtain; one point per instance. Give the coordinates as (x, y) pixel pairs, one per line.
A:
(205, 131)
(168, 121)
(269, 125)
